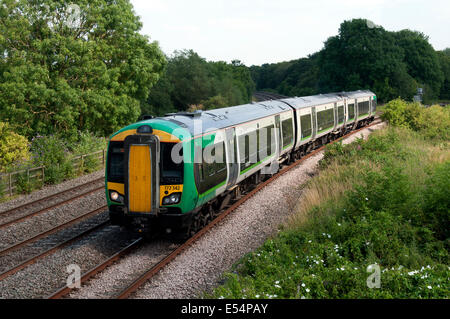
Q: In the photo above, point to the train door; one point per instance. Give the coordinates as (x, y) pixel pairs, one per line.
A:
(336, 118)
(278, 129)
(345, 111)
(314, 121)
(233, 165)
(142, 174)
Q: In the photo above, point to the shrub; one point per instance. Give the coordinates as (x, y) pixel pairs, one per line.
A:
(53, 153)
(23, 184)
(13, 147)
(432, 122)
(86, 143)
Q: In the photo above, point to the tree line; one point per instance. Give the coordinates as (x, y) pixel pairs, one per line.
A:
(192, 83)
(364, 56)
(66, 69)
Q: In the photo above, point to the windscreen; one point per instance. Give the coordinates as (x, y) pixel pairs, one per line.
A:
(171, 171)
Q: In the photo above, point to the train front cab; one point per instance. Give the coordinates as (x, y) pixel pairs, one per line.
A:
(144, 186)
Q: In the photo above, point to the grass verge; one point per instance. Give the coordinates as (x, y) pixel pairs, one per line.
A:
(377, 204)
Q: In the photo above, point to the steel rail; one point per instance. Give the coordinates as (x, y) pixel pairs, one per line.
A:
(50, 231)
(49, 197)
(63, 291)
(41, 211)
(35, 258)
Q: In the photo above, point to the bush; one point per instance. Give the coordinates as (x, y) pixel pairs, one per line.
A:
(13, 147)
(86, 143)
(23, 184)
(432, 122)
(53, 153)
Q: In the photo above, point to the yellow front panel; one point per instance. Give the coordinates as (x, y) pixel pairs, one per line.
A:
(140, 186)
(118, 187)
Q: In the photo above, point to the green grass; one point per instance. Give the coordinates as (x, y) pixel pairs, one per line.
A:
(383, 201)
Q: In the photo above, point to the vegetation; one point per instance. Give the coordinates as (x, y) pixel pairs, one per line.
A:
(190, 81)
(432, 122)
(364, 56)
(65, 68)
(13, 147)
(57, 154)
(383, 202)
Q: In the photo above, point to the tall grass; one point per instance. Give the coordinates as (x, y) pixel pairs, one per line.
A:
(384, 202)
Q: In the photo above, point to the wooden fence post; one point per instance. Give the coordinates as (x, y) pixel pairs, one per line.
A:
(10, 185)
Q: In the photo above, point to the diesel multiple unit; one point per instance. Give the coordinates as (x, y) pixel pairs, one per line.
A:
(175, 173)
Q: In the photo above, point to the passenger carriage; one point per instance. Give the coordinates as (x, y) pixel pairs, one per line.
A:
(174, 173)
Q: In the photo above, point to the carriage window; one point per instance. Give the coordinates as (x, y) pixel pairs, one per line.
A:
(341, 114)
(248, 148)
(363, 108)
(351, 111)
(288, 132)
(265, 142)
(305, 122)
(325, 120)
(213, 169)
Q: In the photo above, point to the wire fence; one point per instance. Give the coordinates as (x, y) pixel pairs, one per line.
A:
(10, 182)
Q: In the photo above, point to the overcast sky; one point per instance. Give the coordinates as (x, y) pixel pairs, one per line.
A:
(261, 31)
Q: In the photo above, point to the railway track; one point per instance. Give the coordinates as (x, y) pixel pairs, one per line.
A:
(136, 284)
(51, 250)
(45, 200)
(51, 231)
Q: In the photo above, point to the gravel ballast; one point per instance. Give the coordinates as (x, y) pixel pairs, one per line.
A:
(41, 279)
(200, 267)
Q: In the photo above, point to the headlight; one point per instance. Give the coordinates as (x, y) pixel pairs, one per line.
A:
(115, 196)
(172, 199)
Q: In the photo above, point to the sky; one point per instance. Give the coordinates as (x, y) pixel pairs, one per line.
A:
(261, 31)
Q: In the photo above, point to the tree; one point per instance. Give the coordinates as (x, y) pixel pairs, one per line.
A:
(190, 82)
(73, 67)
(421, 60)
(444, 60)
(361, 56)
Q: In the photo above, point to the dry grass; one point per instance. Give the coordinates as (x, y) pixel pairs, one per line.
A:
(334, 181)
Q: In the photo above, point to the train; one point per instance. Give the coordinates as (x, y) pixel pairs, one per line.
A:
(173, 174)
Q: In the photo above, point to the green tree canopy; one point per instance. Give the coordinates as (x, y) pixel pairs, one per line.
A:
(191, 82)
(444, 60)
(79, 66)
(363, 56)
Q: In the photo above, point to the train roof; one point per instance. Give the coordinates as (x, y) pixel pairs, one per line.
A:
(212, 120)
(320, 99)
